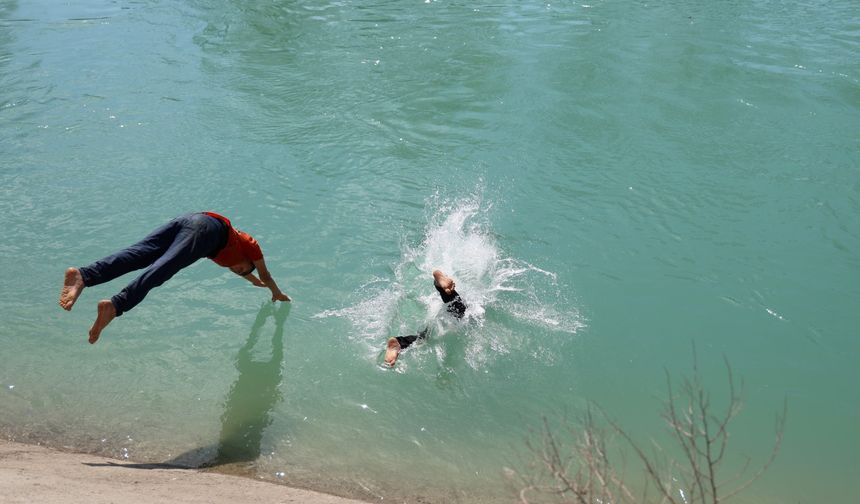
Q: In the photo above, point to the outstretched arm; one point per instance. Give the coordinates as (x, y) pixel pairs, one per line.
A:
(266, 280)
(254, 280)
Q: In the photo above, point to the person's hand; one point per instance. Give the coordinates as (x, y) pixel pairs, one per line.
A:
(280, 296)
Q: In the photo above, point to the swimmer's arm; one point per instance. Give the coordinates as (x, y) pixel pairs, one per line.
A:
(254, 280)
(267, 281)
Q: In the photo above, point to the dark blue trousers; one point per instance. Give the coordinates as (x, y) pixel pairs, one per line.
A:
(165, 251)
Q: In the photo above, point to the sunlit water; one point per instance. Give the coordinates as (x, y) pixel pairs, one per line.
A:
(608, 182)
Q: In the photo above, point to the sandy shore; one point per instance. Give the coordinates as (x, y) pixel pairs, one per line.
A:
(36, 474)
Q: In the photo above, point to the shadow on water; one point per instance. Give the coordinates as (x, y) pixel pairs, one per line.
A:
(248, 405)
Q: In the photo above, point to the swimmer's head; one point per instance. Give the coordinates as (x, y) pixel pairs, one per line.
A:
(243, 268)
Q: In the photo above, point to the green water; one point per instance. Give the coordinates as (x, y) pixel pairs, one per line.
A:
(608, 183)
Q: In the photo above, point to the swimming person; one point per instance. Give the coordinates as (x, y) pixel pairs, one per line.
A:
(164, 252)
(446, 287)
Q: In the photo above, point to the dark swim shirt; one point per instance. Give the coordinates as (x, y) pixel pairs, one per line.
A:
(455, 305)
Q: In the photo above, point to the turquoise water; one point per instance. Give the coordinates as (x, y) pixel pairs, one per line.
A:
(609, 183)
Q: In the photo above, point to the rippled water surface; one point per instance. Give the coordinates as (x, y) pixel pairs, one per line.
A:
(609, 183)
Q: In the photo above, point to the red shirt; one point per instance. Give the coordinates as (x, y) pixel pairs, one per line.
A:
(240, 245)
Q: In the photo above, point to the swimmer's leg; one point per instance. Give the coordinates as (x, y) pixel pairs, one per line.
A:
(398, 343)
(406, 341)
(392, 352)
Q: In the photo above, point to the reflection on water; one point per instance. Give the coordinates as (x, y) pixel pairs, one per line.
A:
(249, 404)
(250, 400)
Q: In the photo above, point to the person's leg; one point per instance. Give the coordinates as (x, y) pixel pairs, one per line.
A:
(106, 312)
(398, 343)
(406, 341)
(392, 351)
(456, 307)
(197, 237)
(134, 257)
(73, 285)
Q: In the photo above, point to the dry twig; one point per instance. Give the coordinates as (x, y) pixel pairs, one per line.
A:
(581, 472)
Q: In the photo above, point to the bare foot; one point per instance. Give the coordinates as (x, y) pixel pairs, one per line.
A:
(444, 282)
(73, 285)
(107, 312)
(392, 352)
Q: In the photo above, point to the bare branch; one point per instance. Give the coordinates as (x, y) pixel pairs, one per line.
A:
(780, 429)
(580, 470)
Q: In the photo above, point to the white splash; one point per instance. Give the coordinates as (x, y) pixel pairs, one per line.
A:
(510, 302)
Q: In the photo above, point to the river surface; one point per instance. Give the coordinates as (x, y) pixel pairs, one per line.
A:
(612, 184)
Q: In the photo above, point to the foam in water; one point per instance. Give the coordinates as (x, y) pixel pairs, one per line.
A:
(511, 304)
